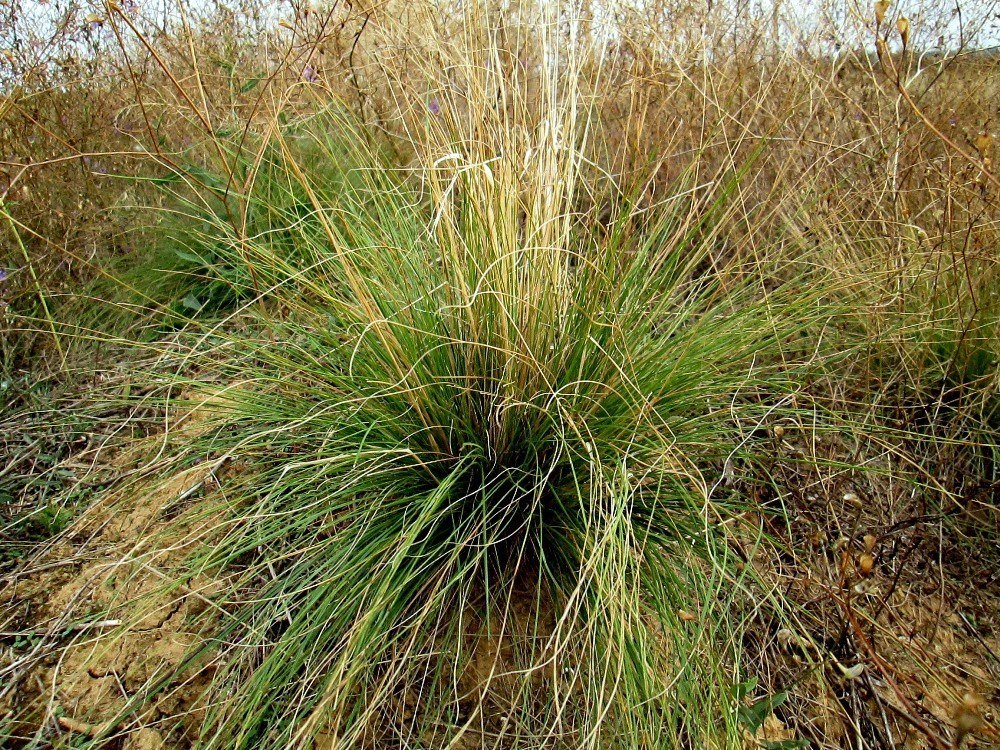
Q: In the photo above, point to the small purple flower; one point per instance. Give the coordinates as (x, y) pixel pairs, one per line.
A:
(309, 74)
(434, 107)
(953, 121)
(859, 116)
(3, 275)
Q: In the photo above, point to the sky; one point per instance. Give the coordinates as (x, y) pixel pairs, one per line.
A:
(820, 25)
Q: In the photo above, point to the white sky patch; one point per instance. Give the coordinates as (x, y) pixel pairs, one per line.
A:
(35, 31)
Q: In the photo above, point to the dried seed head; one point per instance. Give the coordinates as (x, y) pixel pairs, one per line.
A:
(870, 542)
(851, 498)
(967, 718)
(903, 25)
(685, 615)
(881, 7)
(852, 673)
(865, 563)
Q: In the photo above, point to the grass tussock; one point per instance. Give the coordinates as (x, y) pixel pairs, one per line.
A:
(552, 378)
(490, 421)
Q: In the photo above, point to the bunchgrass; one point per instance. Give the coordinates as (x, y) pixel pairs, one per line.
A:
(481, 443)
(511, 331)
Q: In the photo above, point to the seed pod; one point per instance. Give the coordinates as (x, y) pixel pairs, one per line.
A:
(870, 542)
(880, 48)
(881, 7)
(685, 615)
(852, 498)
(903, 24)
(778, 430)
(852, 673)
(865, 563)
(967, 718)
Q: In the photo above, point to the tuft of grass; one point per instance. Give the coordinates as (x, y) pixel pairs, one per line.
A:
(482, 440)
(489, 343)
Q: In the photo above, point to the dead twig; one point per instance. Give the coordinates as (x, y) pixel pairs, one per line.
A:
(82, 727)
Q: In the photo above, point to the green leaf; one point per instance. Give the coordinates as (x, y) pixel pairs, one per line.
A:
(252, 83)
(753, 717)
(190, 257)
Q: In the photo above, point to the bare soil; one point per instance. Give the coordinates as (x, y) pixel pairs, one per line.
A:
(894, 641)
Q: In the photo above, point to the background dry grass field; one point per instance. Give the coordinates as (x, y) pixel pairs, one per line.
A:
(206, 210)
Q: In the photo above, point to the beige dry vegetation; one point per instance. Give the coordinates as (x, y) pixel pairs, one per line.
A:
(881, 532)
